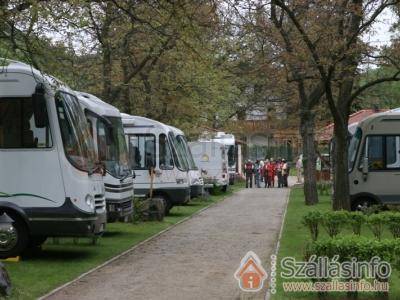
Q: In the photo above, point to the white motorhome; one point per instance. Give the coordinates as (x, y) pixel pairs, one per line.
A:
(374, 160)
(212, 159)
(50, 183)
(152, 145)
(228, 140)
(109, 140)
(194, 175)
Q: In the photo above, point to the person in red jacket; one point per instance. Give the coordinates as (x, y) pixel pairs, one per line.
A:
(271, 173)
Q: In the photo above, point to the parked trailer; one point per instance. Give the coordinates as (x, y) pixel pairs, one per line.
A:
(194, 175)
(211, 157)
(228, 140)
(152, 145)
(109, 140)
(374, 161)
(50, 183)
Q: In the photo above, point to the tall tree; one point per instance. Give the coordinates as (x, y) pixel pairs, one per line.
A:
(330, 34)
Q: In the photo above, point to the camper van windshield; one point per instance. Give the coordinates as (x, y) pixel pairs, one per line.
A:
(183, 142)
(353, 147)
(78, 144)
(179, 154)
(112, 146)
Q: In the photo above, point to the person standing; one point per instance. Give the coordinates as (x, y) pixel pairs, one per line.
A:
(257, 174)
(249, 171)
(299, 166)
(279, 172)
(261, 171)
(285, 173)
(265, 172)
(271, 173)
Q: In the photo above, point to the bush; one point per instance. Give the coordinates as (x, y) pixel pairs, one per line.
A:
(356, 220)
(312, 221)
(334, 221)
(359, 247)
(376, 223)
(393, 223)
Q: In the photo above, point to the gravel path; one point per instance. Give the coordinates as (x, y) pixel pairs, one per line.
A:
(197, 258)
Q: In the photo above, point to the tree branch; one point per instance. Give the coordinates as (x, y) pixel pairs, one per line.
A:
(370, 84)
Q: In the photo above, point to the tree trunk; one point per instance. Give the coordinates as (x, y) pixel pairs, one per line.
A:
(340, 197)
(307, 125)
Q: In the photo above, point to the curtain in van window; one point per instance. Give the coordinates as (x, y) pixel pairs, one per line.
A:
(392, 152)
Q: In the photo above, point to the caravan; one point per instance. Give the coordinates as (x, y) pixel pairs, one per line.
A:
(157, 160)
(374, 161)
(212, 159)
(232, 150)
(50, 182)
(194, 175)
(109, 141)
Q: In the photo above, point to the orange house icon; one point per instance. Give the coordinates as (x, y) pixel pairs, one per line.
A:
(251, 274)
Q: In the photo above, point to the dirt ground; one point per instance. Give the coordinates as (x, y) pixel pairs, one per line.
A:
(196, 259)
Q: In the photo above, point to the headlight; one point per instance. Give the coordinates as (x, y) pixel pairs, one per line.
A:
(89, 201)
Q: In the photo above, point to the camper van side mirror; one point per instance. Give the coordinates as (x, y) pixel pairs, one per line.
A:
(39, 107)
(365, 168)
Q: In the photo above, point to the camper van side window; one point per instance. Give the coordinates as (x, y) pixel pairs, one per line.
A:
(392, 152)
(382, 152)
(17, 126)
(142, 151)
(166, 160)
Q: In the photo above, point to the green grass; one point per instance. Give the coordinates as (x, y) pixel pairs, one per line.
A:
(295, 238)
(56, 264)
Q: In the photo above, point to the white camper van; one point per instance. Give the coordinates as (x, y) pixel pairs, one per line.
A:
(152, 145)
(194, 175)
(211, 157)
(50, 183)
(374, 160)
(109, 141)
(228, 140)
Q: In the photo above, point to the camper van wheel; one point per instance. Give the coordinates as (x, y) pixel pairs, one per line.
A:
(167, 205)
(362, 204)
(14, 236)
(225, 188)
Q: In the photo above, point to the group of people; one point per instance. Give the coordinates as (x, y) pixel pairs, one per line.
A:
(266, 171)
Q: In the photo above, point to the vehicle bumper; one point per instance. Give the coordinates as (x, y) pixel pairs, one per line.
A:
(119, 208)
(65, 221)
(196, 190)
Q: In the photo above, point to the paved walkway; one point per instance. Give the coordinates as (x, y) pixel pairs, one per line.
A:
(197, 258)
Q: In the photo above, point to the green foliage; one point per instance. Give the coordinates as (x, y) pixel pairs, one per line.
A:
(334, 222)
(376, 223)
(393, 223)
(359, 247)
(324, 188)
(312, 221)
(356, 220)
